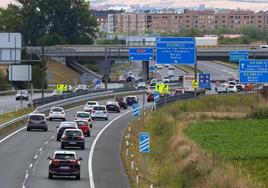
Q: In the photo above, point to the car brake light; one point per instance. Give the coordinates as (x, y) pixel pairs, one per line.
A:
(64, 137)
(81, 138)
(55, 162)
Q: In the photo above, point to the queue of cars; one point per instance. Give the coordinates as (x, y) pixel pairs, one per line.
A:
(72, 134)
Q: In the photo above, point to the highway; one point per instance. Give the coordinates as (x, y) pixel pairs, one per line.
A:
(24, 156)
(217, 71)
(9, 104)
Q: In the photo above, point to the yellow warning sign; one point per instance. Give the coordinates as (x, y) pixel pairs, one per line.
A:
(195, 84)
(62, 87)
(158, 87)
(165, 89)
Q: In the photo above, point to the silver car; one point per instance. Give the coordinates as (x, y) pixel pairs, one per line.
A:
(37, 121)
(99, 111)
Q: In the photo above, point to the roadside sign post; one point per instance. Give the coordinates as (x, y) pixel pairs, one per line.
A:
(156, 98)
(204, 81)
(144, 146)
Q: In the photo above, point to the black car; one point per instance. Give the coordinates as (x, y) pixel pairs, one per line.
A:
(131, 100)
(112, 107)
(121, 101)
(64, 163)
(63, 126)
(73, 138)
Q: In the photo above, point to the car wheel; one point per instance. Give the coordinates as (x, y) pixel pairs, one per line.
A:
(88, 134)
(28, 129)
(83, 147)
(106, 118)
(77, 177)
(63, 119)
(50, 176)
(125, 107)
(45, 129)
(92, 118)
(118, 111)
(62, 146)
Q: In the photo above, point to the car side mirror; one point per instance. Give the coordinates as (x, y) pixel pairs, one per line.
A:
(80, 159)
(48, 158)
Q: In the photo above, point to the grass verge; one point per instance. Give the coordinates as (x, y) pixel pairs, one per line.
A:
(175, 160)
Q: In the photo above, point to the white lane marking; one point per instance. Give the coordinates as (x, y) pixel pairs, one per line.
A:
(37, 161)
(12, 134)
(26, 176)
(30, 166)
(40, 149)
(35, 157)
(46, 143)
(90, 171)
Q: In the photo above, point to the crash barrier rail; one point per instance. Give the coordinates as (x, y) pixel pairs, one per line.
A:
(49, 99)
(168, 99)
(68, 101)
(13, 92)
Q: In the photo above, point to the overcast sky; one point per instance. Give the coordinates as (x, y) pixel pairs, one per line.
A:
(182, 3)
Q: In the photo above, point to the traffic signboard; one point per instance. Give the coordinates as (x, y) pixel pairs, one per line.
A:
(236, 56)
(141, 54)
(253, 71)
(156, 96)
(204, 81)
(177, 50)
(151, 69)
(62, 87)
(144, 142)
(158, 87)
(195, 84)
(135, 110)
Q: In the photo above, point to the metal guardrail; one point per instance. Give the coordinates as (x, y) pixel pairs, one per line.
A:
(13, 92)
(69, 101)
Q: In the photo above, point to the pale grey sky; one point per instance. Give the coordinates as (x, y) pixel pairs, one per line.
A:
(181, 3)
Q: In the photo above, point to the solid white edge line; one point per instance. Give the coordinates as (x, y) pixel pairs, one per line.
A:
(12, 134)
(90, 171)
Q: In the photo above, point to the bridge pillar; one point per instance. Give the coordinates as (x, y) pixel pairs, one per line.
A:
(145, 70)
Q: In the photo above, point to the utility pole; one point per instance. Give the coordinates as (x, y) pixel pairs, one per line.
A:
(43, 72)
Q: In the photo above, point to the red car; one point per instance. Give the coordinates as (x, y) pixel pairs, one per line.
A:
(84, 126)
(150, 97)
(64, 163)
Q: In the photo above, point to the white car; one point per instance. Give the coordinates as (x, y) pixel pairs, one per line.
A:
(56, 113)
(22, 95)
(166, 80)
(99, 111)
(83, 116)
(89, 105)
(171, 73)
(171, 67)
(141, 85)
(222, 88)
(166, 65)
(232, 83)
(81, 87)
(232, 88)
(158, 66)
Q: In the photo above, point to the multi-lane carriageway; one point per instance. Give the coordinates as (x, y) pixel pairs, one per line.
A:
(23, 155)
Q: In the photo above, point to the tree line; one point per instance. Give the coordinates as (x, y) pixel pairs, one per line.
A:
(47, 22)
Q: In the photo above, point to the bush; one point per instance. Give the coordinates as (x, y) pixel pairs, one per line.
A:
(261, 113)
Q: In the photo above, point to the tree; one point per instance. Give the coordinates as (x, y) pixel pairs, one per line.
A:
(66, 21)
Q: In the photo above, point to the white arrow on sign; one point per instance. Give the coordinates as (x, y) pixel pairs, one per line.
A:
(242, 66)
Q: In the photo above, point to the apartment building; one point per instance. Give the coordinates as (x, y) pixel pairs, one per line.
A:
(172, 22)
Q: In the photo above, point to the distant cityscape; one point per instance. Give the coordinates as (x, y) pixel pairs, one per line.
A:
(140, 21)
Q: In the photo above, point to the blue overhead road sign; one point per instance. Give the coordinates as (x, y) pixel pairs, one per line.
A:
(141, 54)
(204, 81)
(144, 142)
(135, 110)
(235, 56)
(177, 50)
(253, 71)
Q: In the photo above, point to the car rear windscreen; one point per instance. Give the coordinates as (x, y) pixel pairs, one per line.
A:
(36, 117)
(65, 156)
(91, 103)
(73, 133)
(99, 108)
(57, 110)
(82, 115)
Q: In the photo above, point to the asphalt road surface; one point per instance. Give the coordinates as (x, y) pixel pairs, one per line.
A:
(9, 104)
(24, 156)
(217, 71)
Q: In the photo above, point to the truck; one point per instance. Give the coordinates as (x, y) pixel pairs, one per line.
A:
(207, 41)
(187, 83)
